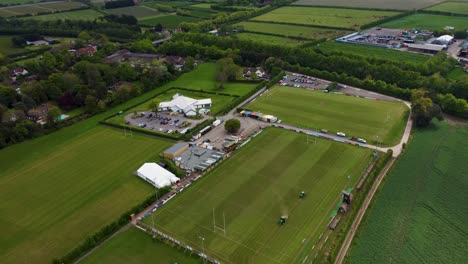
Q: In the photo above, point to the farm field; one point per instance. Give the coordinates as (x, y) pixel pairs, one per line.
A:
(201, 13)
(330, 17)
(87, 14)
(419, 214)
(39, 8)
(264, 181)
(291, 30)
(136, 11)
(58, 189)
(9, 2)
(428, 22)
(383, 4)
(354, 116)
(134, 246)
(203, 6)
(377, 52)
(268, 39)
(451, 7)
(152, 4)
(168, 21)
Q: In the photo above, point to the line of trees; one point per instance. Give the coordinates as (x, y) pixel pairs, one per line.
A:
(118, 4)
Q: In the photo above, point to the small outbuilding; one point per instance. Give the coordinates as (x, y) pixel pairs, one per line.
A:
(156, 175)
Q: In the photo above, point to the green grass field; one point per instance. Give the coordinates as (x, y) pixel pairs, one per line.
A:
(458, 74)
(419, 214)
(87, 14)
(451, 7)
(264, 181)
(203, 6)
(268, 39)
(201, 13)
(58, 189)
(39, 8)
(9, 2)
(136, 11)
(134, 246)
(380, 4)
(354, 116)
(292, 31)
(377, 52)
(168, 21)
(7, 47)
(152, 4)
(428, 22)
(331, 17)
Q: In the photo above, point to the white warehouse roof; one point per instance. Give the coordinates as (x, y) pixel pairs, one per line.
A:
(156, 175)
(445, 38)
(185, 104)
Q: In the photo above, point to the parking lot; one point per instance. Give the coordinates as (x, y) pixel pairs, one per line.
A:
(166, 122)
(303, 81)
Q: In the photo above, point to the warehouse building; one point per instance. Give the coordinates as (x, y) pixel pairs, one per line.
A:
(183, 104)
(175, 150)
(156, 175)
(425, 48)
(198, 158)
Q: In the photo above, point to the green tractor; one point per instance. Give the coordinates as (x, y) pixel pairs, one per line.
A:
(302, 195)
(283, 219)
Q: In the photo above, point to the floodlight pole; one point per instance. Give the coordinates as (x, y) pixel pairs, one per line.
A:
(203, 248)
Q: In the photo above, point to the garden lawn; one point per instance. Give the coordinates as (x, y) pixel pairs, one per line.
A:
(451, 7)
(292, 31)
(419, 214)
(379, 4)
(135, 246)
(329, 17)
(168, 21)
(272, 40)
(87, 14)
(254, 187)
(377, 52)
(428, 22)
(58, 189)
(373, 120)
(136, 11)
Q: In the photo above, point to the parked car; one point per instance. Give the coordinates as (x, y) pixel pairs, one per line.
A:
(361, 140)
(127, 122)
(340, 134)
(142, 125)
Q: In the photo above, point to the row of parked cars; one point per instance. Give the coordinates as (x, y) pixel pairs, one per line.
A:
(360, 140)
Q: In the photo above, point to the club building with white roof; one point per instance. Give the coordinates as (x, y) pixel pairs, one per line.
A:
(183, 104)
(156, 175)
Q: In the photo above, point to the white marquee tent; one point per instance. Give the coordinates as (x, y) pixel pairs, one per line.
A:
(156, 175)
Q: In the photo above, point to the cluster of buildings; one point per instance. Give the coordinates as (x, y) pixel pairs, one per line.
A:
(186, 105)
(144, 60)
(413, 40)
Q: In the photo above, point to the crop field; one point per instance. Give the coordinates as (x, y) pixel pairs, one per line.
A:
(257, 185)
(428, 22)
(136, 11)
(268, 39)
(58, 189)
(330, 17)
(167, 3)
(451, 7)
(377, 52)
(87, 14)
(201, 13)
(38, 8)
(419, 215)
(203, 6)
(293, 31)
(168, 21)
(379, 4)
(373, 120)
(134, 246)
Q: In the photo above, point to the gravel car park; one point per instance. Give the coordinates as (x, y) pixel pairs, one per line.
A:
(303, 81)
(165, 122)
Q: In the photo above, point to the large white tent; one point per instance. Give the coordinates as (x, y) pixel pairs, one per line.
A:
(156, 175)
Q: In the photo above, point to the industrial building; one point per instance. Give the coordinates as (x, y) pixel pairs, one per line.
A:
(198, 158)
(183, 104)
(425, 48)
(156, 175)
(175, 150)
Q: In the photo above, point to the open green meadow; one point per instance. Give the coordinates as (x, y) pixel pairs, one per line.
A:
(257, 185)
(58, 189)
(202, 6)
(39, 8)
(330, 17)
(87, 14)
(168, 21)
(7, 47)
(379, 4)
(458, 74)
(419, 215)
(373, 120)
(272, 40)
(370, 51)
(136, 11)
(201, 14)
(451, 7)
(135, 246)
(292, 31)
(428, 22)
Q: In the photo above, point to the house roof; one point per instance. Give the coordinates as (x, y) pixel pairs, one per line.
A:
(175, 148)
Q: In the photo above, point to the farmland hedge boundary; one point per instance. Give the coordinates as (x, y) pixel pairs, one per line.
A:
(300, 24)
(442, 13)
(108, 230)
(351, 7)
(275, 35)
